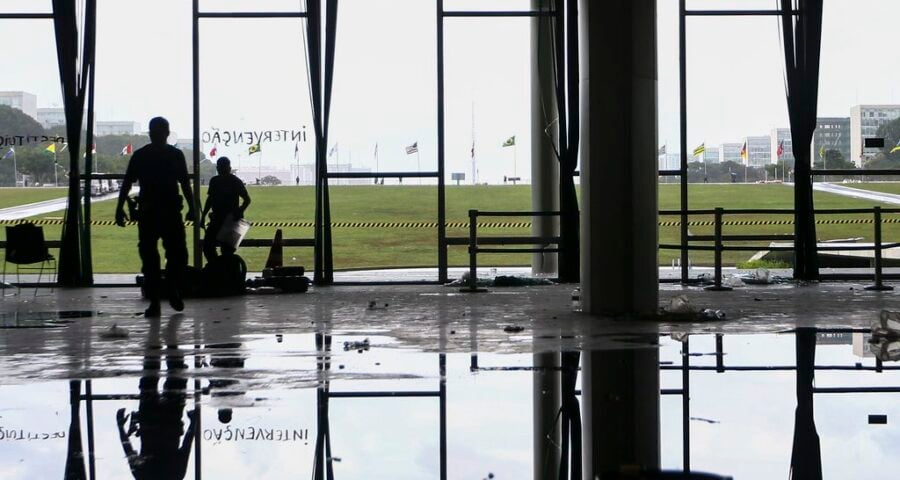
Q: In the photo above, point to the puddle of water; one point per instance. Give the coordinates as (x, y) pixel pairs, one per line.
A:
(55, 319)
(269, 406)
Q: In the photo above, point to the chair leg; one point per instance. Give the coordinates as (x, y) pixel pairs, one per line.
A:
(40, 275)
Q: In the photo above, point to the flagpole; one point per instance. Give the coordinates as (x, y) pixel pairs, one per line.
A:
(418, 162)
(55, 169)
(515, 159)
(16, 171)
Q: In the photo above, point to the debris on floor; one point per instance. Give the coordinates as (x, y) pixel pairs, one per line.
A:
(514, 281)
(501, 281)
(885, 341)
(373, 305)
(358, 346)
(115, 332)
(681, 309)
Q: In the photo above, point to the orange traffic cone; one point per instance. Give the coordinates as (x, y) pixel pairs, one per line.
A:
(276, 253)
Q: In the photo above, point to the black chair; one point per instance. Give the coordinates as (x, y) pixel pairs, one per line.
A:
(25, 247)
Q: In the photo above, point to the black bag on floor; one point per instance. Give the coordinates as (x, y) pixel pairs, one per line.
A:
(224, 275)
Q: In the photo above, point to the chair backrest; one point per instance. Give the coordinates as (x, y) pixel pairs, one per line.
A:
(25, 244)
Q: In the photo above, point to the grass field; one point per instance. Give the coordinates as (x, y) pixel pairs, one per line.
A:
(11, 197)
(114, 249)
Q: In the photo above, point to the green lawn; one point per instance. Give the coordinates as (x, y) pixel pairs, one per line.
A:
(114, 248)
(11, 197)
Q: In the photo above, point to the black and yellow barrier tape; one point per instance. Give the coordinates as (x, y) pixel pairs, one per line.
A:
(465, 225)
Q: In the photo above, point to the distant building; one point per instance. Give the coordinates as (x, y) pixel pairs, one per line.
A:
(186, 144)
(51, 117)
(776, 137)
(670, 161)
(864, 123)
(103, 128)
(22, 101)
(710, 155)
(759, 150)
(832, 133)
(730, 152)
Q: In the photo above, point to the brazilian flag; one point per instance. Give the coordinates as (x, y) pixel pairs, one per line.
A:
(255, 149)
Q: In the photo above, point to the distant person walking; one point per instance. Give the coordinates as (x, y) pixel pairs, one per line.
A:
(227, 195)
(159, 169)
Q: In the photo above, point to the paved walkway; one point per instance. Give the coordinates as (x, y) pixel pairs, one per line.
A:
(40, 208)
(838, 189)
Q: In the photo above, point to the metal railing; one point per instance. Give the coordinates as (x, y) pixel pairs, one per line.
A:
(719, 239)
(473, 242)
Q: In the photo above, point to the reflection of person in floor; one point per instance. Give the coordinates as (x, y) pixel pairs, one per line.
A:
(158, 421)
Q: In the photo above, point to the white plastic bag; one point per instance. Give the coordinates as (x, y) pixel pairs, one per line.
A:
(233, 231)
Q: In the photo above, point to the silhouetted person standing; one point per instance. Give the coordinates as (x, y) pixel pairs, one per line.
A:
(225, 192)
(159, 169)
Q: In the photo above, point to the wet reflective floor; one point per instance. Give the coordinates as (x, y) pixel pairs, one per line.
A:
(268, 406)
(243, 390)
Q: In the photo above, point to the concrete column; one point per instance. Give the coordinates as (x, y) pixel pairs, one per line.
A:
(618, 156)
(544, 164)
(620, 399)
(547, 400)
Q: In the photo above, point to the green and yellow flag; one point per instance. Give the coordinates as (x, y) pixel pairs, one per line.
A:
(255, 149)
(699, 150)
(511, 141)
(51, 148)
(897, 148)
(822, 151)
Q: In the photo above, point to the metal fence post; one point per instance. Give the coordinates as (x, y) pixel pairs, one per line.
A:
(472, 287)
(717, 286)
(879, 284)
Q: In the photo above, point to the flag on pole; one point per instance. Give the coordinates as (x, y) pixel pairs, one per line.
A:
(414, 148)
(780, 151)
(662, 151)
(744, 153)
(10, 153)
(64, 147)
(51, 148)
(296, 149)
(897, 148)
(254, 149)
(333, 150)
(822, 151)
(699, 150)
(473, 150)
(128, 149)
(511, 141)
(213, 152)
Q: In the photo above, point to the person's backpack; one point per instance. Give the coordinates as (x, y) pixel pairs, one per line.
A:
(224, 275)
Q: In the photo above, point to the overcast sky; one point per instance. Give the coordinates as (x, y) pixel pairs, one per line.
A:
(254, 77)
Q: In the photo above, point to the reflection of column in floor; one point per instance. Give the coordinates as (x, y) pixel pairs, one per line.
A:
(620, 397)
(75, 469)
(546, 433)
(806, 456)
